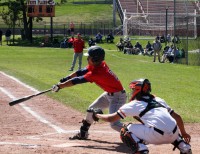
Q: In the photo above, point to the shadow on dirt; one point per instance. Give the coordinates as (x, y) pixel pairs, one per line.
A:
(112, 146)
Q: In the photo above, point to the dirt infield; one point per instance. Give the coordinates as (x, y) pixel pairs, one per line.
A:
(42, 125)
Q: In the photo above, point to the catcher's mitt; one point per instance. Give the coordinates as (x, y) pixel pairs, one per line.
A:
(95, 111)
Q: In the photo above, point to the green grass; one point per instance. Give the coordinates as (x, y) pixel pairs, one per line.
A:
(43, 67)
(83, 13)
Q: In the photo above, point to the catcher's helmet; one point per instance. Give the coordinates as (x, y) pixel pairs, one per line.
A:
(97, 53)
(140, 87)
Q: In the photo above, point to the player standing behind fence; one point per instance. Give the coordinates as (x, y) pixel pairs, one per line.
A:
(157, 47)
(78, 45)
(71, 27)
(8, 35)
(97, 71)
(1, 33)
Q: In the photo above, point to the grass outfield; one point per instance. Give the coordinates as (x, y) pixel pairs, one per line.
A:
(43, 67)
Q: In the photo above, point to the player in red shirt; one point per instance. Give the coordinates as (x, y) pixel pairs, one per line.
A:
(78, 45)
(97, 71)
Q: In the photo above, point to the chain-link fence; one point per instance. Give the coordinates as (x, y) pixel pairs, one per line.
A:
(185, 26)
(59, 28)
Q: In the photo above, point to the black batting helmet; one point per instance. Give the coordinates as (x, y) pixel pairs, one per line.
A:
(97, 53)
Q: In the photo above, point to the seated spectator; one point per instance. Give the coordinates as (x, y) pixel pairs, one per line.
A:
(148, 50)
(168, 38)
(91, 42)
(126, 39)
(138, 46)
(70, 42)
(120, 44)
(162, 39)
(45, 42)
(167, 54)
(128, 48)
(55, 43)
(158, 37)
(98, 38)
(177, 54)
(110, 38)
(176, 39)
(182, 52)
(63, 43)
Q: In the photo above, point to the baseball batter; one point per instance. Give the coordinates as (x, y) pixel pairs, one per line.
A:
(97, 71)
(159, 123)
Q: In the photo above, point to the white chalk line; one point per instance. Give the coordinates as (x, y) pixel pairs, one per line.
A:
(38, 117)
(18, 81)
(21, 144)
(33, 113)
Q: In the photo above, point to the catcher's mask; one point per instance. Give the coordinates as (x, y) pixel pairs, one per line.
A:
(96, 53)
(140, 87)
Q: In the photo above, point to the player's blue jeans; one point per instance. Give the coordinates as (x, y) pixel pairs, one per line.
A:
(79, 56)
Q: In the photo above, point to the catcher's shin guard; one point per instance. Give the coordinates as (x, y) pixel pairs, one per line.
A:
(184, 147)
(127, 139)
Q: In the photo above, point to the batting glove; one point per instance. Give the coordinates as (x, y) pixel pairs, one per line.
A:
(55, 88)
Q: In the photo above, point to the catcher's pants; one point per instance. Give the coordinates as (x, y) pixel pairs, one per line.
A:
(112, 101)
(150, 136)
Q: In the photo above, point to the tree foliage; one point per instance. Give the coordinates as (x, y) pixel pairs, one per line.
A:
(14, 13)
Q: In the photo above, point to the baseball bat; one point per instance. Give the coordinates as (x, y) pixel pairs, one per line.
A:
(20, 100)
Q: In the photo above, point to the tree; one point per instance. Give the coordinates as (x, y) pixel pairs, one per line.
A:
(14, 13)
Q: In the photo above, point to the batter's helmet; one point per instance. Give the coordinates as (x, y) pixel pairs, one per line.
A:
(140, 87)
(96, 52)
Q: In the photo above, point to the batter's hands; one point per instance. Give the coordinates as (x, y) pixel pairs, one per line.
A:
(55, 88)
(186, 137)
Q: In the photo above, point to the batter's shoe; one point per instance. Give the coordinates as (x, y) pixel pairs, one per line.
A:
(78, 136)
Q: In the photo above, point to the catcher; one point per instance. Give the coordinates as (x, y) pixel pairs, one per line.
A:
(97, 71)
(159, 123)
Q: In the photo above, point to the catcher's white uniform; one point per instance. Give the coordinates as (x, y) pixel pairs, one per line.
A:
(158, 127)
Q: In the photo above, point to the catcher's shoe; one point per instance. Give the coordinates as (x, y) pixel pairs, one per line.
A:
(189, 152)
(78, 136)
(142, 152)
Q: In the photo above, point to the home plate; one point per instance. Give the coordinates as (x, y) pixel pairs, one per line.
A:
(66, 145)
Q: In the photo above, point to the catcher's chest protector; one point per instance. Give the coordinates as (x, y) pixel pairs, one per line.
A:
(151, 105)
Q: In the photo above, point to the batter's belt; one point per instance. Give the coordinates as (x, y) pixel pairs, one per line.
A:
(112, 94)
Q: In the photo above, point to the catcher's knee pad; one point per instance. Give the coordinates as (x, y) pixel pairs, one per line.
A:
(127, 139)
(184, 147)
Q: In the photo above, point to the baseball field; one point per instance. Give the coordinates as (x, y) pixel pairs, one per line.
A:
(44, 124)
